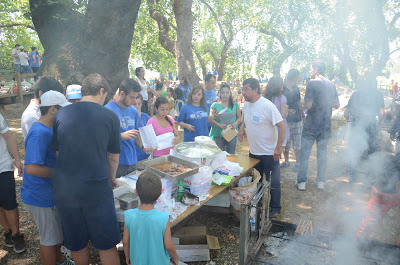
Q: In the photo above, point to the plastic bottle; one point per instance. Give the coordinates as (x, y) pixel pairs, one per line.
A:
(180, 190)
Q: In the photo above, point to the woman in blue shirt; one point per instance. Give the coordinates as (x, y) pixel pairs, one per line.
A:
(185, 86)
(193, 115)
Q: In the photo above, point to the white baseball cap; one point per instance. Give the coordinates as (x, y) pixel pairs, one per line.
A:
(53, 98)
(74, 92)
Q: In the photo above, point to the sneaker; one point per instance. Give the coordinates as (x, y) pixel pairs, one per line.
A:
(321, 185)
(301, 185)
(8, 241)
(66, 252)
(273, 214)
(66, 262)
(285, 164)
(296, 167)
(19, 243)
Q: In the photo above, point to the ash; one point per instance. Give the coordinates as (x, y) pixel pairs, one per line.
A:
(286, 248)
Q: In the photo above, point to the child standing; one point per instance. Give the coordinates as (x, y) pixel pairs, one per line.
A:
(37, 188)
(162, 123)
(137, 103)
(171, 99)
(147, 233)
(193, 115)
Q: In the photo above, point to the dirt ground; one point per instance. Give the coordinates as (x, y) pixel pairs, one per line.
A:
(338, 208)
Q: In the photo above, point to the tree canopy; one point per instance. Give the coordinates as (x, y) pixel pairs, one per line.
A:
(236, 37)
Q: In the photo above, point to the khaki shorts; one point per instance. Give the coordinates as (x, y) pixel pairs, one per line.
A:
(48, 221)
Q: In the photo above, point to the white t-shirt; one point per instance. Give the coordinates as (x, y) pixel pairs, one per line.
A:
(29, 117)
(23, 57)
(260, 118)
(16, 59)
(143, 92)
(6, 162)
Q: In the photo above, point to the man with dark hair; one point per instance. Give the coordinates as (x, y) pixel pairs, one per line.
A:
(34, 61)
(17, 60)
(320, 98)
(32, 112)
(261, 117)
(130, 123)
(37, 188)
(87, 138)
(210, 82)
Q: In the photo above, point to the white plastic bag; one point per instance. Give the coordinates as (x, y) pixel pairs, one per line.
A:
(164, 205)
(242, 195)
(200, 183)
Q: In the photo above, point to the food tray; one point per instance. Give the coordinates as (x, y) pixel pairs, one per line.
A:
(168, 158)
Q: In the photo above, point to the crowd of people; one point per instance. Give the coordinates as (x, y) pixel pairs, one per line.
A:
(78, 144)
(25, 61)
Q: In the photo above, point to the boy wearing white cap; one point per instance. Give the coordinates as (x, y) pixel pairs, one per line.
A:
(74, 93)
(37, 188)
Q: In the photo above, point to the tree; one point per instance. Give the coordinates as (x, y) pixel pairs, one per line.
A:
(283, 33)
(226, 19)
(181, 48)
(83, 37)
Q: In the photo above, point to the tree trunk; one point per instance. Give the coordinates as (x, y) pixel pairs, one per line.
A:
(202, 63)
(222, 61)
(183, 49)
(76, 44)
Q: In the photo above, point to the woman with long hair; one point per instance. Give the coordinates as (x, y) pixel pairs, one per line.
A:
(295, 115)
(185, 86)
(163, 123)
(140, 72)
(273, 92)
(230, 116)
(193, 115)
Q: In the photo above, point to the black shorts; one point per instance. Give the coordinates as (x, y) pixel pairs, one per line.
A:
(8, 199)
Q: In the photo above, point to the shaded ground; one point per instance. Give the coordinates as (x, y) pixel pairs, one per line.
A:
(338, 208)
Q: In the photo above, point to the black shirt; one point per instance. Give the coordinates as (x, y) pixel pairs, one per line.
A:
(364, 105)
(293, 99)
(322, 94)
(83, 134)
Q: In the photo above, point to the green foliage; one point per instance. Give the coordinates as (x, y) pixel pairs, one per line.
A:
(15, 12)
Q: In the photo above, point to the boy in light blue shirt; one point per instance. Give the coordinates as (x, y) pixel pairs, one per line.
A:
(147, 232)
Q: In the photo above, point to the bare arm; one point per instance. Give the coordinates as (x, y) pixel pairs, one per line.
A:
(242, 132)
(301, 109)
(284, 110)
(186, 126)
(281, 137)
(39, 170)
(169, 245)
(112, 160)
(13, 148)
(125, 242)
(211, 119)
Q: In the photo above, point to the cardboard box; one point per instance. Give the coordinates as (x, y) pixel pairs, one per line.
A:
(194, 243)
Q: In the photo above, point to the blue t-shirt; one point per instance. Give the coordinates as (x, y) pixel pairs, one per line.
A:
(139, 153)
(130, 120)
(83, 133)
(169, 75)
(211, 97)
(185, 92)
(38, 191)
(215, 73)
(195, 116)
(146, 242)
(31, 63)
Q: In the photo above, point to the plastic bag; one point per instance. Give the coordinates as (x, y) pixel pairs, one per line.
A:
(221, 180)
(200, 183)
(242, 195)
(164, 205)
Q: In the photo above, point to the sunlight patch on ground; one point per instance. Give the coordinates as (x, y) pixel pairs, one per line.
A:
(302, 206)
(17, 130)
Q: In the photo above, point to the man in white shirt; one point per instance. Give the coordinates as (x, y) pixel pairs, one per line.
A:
(17, 61)
(24, 61)
(261, 117)
(32, 112)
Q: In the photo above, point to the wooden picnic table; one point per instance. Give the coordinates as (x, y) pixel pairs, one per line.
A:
(244, 161)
